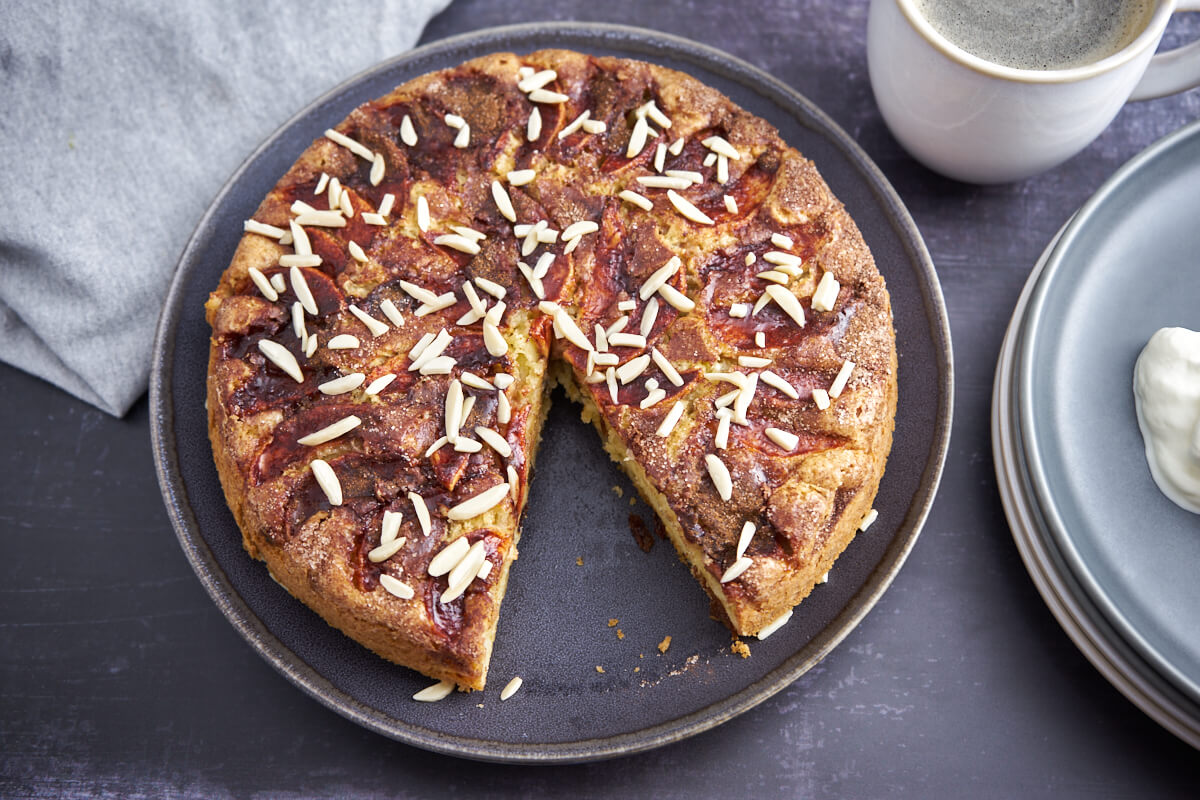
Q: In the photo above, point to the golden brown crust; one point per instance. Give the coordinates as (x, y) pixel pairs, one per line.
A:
(806, 503)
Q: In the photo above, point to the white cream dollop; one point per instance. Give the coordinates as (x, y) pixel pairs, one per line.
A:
(1166, 391)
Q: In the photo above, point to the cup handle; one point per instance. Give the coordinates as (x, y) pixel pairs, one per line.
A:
(1173, 71)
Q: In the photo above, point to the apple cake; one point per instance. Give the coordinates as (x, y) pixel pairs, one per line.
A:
(386, 336)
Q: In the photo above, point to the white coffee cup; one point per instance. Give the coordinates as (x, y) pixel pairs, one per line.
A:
(982, 122)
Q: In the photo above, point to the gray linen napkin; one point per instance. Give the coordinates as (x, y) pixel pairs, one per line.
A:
(118, 124)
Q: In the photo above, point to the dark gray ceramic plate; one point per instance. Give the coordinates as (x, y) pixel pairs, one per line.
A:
(1082, 621)
(553, 628)
(1125, 266)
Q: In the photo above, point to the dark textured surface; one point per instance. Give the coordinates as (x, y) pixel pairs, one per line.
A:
(569, 710)
(120, 677)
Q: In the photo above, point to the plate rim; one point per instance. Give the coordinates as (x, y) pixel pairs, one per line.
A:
(284, 660)
(1056, 525)
(1099, 643)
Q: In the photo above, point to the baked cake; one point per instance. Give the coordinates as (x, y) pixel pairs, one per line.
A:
(402, 301)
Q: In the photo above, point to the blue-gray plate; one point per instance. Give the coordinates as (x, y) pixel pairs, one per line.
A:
(579, 565)
(1126, 265)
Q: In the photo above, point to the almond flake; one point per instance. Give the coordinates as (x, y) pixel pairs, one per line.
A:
(775, 276)
(328, 481)
(627, 305)
(574, 125)
(663, 182)
(760, 339)
(264, 285)
(651, 110)
(745, 537)
(571, 330)
(479, 504)
(825, 297)
(465, 445)
(385, 551)
(298, 322)
(431, 694)
(444, 300)
(785, 439)
(535, 283)
(537, 80)
(542, 267)
(503, 201)
(788, 302)
(491, 287)
(839, 383)
(453, 412)
(660, 157)
(631, 369)
(464, 572)
(610, 378)
(753, 362)
(379, 384)
(356, 252)
(376, 327)
(422, 512)
(386, 204)
(726, 400)
(580, 228)
(279, 283)
(868, 519)
(720, 476)
(494, 441)
(463, 138)
(760, 304)
(423, 214)
(321, 219)
(372, 218)
(262, 229)
(654, 397)
(739, 310)
(782, 259)
(685, 207)
(533, 129)
(485, 568)
(548, 97)
(330, 432)
(457, 242)
(377, 169)
(821, 398)
(627, 340)
(454, 121)
(618, 325)
(511, 688)
(637, 139)
(390, 526)
(721, 440)
(676, 146)
(606, 359)
(392, 313)
(736, 569)
(636, 199)
(346, 383)
(782, 241)
(671, 419)
(400, 589)
(649, 317)
(350, 144)
(731, 204)
(744, 399)
(660, 277)
(690, 175)
(408, 134)
(594, 126)
(721, 147)
(776, 625)
(771, 379)
(281, 357)
(676, 299)
(476, 382)
(503, 409)
(668, 369)
(301, 246)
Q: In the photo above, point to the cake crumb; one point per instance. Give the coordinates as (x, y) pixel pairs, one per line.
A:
(612, 623)
(619, 491)
(620, 633)
(633, 501)
(641, 533)
(479, 705)
(599, 669)
(637, 669)
(579, 561)
(664, 644)
(741, 648)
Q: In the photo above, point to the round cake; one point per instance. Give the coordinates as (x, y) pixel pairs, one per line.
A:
(405, 297)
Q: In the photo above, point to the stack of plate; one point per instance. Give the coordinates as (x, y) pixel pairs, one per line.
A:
(1116, 561)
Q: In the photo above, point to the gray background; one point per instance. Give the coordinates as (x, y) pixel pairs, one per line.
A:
(118, 676)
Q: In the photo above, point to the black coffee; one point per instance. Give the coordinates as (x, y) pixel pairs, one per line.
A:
(1038, 34)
